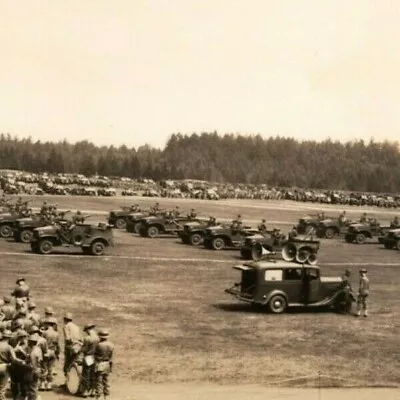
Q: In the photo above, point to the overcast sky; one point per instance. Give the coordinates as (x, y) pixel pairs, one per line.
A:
(135, 71)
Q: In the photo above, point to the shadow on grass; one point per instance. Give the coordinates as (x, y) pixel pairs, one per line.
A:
(259, 309)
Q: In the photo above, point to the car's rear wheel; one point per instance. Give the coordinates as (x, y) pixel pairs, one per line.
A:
(218, 243)
(26, 236)
(120, 223)
(6, 231)
(196, 239)
(330, 233)
(277, 304)
(360, 238)
(45, 246)
(97, 248)
(152, 231)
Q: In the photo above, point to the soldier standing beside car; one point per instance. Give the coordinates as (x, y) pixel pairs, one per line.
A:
(347, 291)
(72, 342)
(90, 342)
(363, 293)
(103, 356)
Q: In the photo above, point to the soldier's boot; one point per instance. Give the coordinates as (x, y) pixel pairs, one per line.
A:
(42, 386)
(49, 386)
(365, 313)
(85, 394)
(358, 312)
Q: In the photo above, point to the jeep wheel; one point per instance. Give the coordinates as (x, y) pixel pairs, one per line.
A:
(360, 238)
(97, 248)
(136, 227)
(6, 231)
(330, 233)
(25, 236)
(218, 243)
(120, 223)
(152, 231)
(45, 246)
(196, 239)
(277, 304)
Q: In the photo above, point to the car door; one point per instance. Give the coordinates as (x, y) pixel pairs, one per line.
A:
(292, 284)
(312, 285)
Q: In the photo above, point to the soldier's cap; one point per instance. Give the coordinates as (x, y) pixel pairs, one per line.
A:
(7, 299)
(89, 326)
(68, 316)
(31, 305)
(34, 329)
(348, 272)
(263, 220)
(33, 338)
(20, 280)
(363, 271)
(17, 323)
(7, 334)
(22, 311)
(22, 334)
(48, 311)
(103, 333)
(50, 321)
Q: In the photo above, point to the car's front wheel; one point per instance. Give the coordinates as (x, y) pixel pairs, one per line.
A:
(277, 304)
(45, 246)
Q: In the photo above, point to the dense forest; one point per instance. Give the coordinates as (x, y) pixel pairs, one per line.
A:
(275, 161)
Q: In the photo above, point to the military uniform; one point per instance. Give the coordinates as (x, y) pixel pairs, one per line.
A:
(103, 356)
(72, 342)
(18, 368)
(7, 356)
(21, 294)
(42, 343)
(34, 359)
(32, 314)
(53, 353)
(347, 298)
(363, 218)
(49, 318)
(363, 293)
(90, 341)
(8, 309)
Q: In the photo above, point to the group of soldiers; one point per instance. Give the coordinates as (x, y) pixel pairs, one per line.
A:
(30, 346)
(362, 295)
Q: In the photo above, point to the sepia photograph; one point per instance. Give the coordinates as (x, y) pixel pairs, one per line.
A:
(199, 199)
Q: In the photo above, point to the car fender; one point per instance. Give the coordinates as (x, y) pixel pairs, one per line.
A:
(267, 298)
(88, 242)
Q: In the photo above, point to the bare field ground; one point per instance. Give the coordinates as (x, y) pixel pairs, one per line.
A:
(171, 321)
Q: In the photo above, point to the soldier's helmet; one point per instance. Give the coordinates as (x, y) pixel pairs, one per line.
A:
(16, 324)
(363, 271)
(31, 305)
(263, 220)
(103, 333)
(7, 334)
(34, 329)
(22, 334)
(89, 326)
(78, 212)
(33, 338)
(48, 311)
(20, 280)
(7, 299)
(347, 272)
(68, 316)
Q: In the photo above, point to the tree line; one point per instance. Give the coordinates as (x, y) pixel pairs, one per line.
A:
(250, 159)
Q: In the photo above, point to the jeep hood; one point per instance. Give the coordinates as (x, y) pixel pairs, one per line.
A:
(255, 237)
(45, 229)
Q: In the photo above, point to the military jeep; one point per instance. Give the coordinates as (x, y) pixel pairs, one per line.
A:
(193, 232)
(360, 232)
(279, 285)
(7, 221)
(330, 228)
(391, 240)
(224, 236)
(255, 246)
(91, 238)
(155, 225)
(119, 218)
(305, 224)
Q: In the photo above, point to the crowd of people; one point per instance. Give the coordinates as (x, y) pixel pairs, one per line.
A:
(31, 344)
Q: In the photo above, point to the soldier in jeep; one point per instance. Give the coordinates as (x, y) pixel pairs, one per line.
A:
(363, 218)
(395, 223)
(237, 223)
(263, 226)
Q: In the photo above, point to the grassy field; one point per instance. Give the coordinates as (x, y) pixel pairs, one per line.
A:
(171, 321)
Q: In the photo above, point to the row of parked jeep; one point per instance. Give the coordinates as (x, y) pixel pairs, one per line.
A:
(352, 231)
